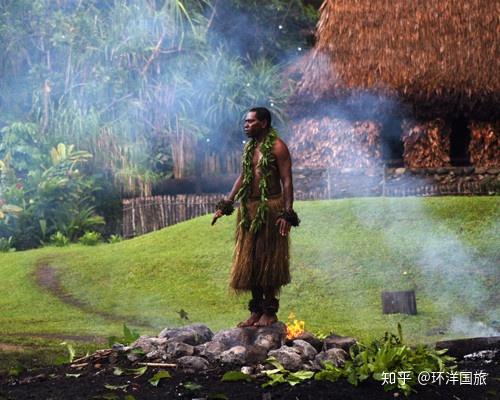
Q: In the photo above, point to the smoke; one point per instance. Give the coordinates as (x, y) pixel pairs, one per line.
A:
(445, 268)
(127, 80)
(115, 87)
(466, 327)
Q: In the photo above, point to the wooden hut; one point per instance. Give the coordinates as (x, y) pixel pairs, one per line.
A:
(427, 71)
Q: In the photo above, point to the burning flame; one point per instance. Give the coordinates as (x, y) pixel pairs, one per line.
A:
(294, 327)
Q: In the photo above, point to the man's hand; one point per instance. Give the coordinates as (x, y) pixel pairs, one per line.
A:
(216, 216)
(283, 226)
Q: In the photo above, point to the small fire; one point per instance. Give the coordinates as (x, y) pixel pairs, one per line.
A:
(294, 327)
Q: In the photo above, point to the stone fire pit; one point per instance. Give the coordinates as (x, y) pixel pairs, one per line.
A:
(196, 347)
(197, 359)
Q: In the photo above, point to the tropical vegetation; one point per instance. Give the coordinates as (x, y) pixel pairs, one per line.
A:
(102, 99)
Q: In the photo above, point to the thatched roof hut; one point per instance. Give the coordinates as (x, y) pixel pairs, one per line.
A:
(440, 57)
(435, 62)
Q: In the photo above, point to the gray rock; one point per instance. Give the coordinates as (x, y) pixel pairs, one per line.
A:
(157, 355)
(493, 171)
(256, 355)
(309, 338)
(340, 342)
(132, 357)
(210, 350)
(289, 357)
(235, 337)
(335, 355)
(194, 334)
(144, 343)
(193, 362)
(400, 171)
(271, 337)
(307, 351)
(158, 342)
(179, 349)
(148, 343)
(247, 370)
(235, 355)
(480, 170)
(121, 347)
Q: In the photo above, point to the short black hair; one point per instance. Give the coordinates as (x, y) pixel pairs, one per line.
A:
(262, 114)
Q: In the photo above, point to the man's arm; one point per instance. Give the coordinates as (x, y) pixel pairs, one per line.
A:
(236, 187)
(232, 195)
(285, 170)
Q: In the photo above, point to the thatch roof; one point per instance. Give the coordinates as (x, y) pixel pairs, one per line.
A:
(438, 56)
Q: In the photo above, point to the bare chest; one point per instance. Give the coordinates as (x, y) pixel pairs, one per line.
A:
(257, 156)
(257, 160)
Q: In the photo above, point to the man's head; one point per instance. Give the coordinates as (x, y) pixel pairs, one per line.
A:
(257, 122)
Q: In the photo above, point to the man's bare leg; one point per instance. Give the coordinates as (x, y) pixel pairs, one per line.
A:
(255, 308)
(270, 307)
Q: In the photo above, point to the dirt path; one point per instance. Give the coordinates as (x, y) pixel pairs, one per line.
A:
(56, 336)
(46, 277)
(7, 347)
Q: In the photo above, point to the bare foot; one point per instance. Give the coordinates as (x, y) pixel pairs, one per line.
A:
(254, 317)
(266, 320)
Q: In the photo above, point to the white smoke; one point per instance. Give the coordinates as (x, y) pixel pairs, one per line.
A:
(466, 327)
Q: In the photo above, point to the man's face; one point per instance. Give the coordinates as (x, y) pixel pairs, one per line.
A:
(253, 127)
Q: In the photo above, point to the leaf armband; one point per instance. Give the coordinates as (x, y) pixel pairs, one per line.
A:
(290, 216)
(226, 206)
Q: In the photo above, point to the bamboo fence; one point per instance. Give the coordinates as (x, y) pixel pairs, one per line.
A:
(146, 214)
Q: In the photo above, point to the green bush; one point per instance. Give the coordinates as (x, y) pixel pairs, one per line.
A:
(389, 355)
(6, 245)
(376, 361)
(90, 238)
(115, 239)
(129, 336)
(59, 239)
(54, 196)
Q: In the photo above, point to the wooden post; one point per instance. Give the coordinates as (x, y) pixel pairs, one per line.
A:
(461, 347)
(134, 232)
(399, 302)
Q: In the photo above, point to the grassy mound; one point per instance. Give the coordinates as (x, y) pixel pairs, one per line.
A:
(345, 253)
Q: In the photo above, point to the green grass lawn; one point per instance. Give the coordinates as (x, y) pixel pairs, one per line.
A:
(345, 253)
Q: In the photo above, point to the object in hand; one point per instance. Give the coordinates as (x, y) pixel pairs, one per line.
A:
(226, 206)
(290, 216)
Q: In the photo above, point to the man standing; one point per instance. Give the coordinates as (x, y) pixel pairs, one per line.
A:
(265, 216)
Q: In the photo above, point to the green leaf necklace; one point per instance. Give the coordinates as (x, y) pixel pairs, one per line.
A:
(264, 166)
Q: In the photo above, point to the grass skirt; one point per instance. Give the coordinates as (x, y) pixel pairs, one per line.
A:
(261, 259)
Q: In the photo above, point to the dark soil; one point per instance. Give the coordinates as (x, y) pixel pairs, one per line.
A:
(54, 383)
